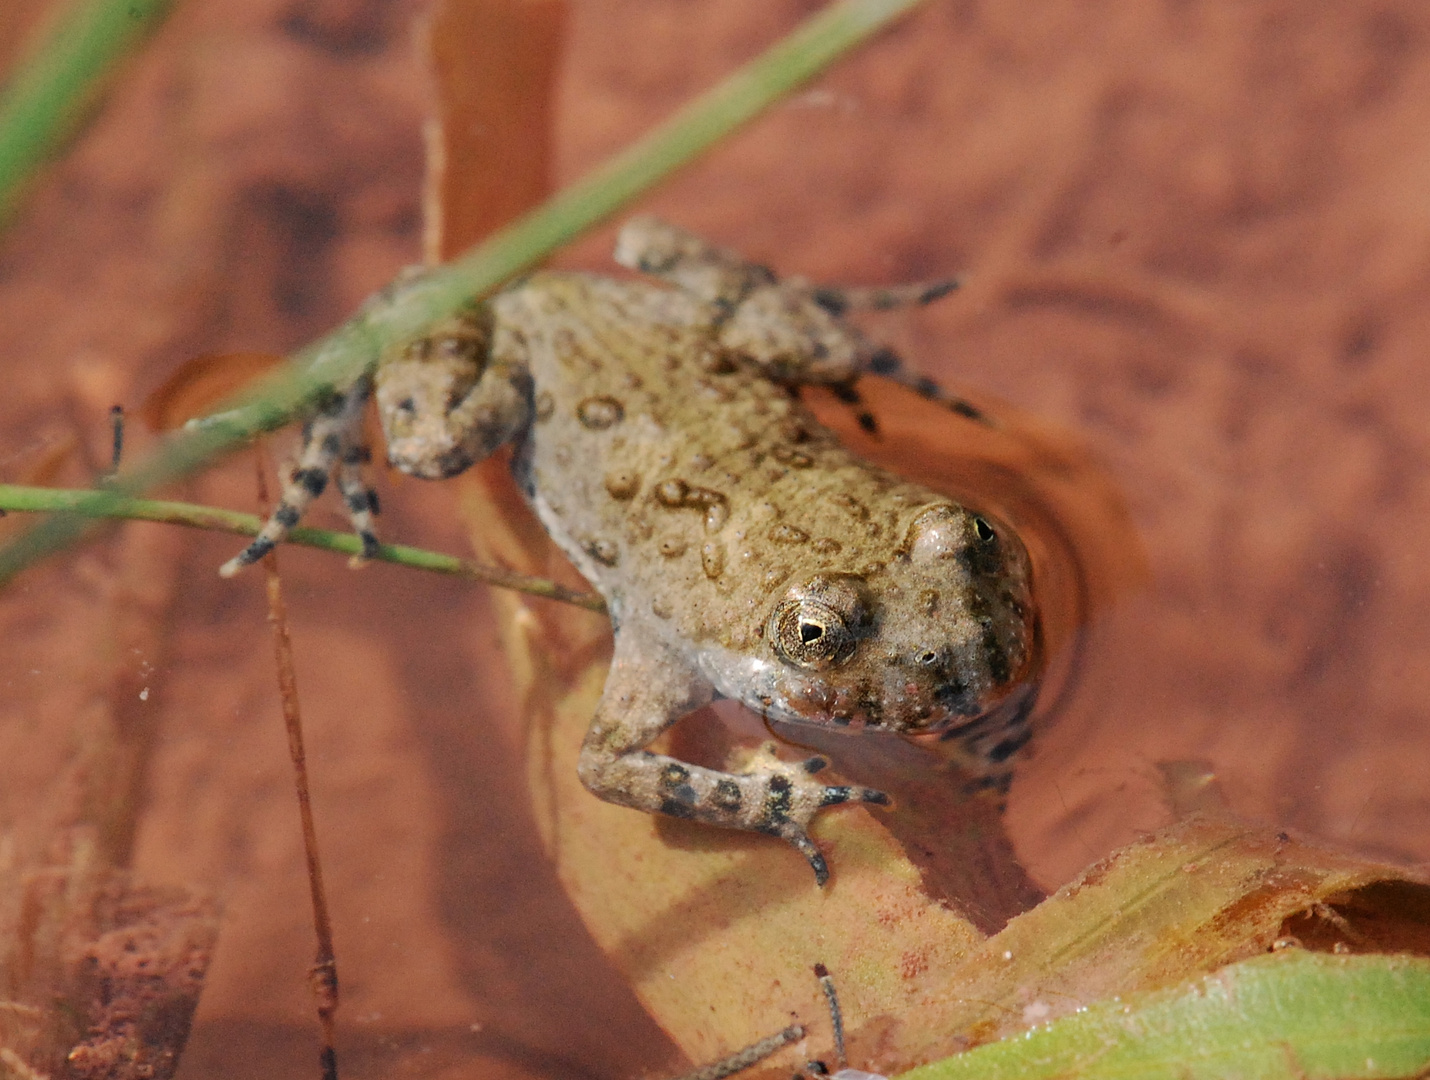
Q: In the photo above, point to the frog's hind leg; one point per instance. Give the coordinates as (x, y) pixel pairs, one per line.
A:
(793, 331)
(333, 439)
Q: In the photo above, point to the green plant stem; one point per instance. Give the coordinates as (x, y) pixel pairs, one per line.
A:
(405, 311)
(109, 504)
(45, 102)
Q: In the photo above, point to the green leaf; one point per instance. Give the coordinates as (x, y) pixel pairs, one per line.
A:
(1292, 1014)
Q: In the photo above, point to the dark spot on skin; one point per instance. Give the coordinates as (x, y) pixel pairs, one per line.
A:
(775, 576)
(996, 655)
(601, 412)
(951, 696)
(831, 300)
(885, 362)
(795, 459)
(853, 505)
(357, 455)
(358, 501)
(672, 493)
(833, 796)
(777, 805)
(604, 552)
(717, 363)
(727, 795)
(926, 387)
(287, 516)
(936, 292)
(331, 446)
(313, 481)
(814, 765)
(256, 551)
(622, 484)
(712, 560)
(846, 392)
(672, 808)
(370, 547)
(1010, 746)
(970, 412)
(868, 423)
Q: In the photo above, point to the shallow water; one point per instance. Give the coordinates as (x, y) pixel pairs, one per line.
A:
(1193, 241)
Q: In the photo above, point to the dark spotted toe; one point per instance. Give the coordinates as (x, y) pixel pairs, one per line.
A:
(816, 859)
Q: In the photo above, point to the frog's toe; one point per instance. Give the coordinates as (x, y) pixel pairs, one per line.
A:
(844, 793)
(817, 862)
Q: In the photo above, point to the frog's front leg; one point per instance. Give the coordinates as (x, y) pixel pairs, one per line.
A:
(649, 688)
(332, 440)
(446, 400)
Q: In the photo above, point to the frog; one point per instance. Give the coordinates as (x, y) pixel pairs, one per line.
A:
(658, 434)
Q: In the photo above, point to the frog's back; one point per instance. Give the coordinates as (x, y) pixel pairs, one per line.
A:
(685, 485)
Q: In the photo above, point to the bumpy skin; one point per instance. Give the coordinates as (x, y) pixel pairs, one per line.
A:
(741, 549)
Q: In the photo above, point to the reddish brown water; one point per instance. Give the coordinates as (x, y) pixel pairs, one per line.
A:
(1194, 238)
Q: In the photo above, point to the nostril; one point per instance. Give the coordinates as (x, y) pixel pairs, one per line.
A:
(928, 658)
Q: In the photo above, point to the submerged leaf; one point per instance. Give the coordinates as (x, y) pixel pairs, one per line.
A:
(1184, 902)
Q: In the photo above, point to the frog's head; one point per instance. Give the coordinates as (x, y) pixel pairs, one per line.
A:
(938, 637)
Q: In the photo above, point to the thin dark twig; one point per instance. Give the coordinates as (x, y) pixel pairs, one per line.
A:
(323, 976)
(116, 420)
(836, 1015)
(753, 1054)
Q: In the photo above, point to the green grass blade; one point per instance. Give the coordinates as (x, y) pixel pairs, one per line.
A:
(404, 313)
(51, 92)
(102, 503)
(1293, 1015)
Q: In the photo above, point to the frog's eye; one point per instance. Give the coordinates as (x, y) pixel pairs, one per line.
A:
(809, 634)
(983, 530)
